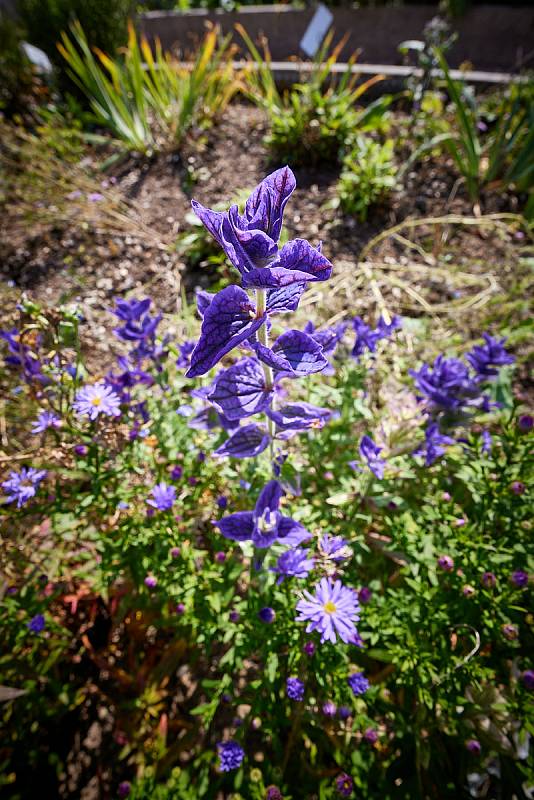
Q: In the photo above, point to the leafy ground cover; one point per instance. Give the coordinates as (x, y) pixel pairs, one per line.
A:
(347, 611)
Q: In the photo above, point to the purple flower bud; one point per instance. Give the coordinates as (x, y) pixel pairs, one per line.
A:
(175, 552)
(370, 736)
(364, 595)
(124, 789)
(226, 698)
(309, 648)
(460, 522)
(234, 616)
(446, 497)
(344, 712)
(525, 423)
(180, 608)
(489, 580)
(192, 481)
(201, 456)
(329, 709)
(528, 679)
(273, 793)
(344, 785)
(446, 563)
(37, 624)
(267, 614)
(222, 502)
(510, 632)
(520, 578)
(473, 746)
(468, 591)
(518, 487)
(81, 449)
(151, 581)
(176, 473)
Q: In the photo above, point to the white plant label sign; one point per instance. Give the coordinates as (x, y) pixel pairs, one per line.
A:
(316, 31)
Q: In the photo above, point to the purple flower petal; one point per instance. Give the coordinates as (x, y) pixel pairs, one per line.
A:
(292, 533)
(296, 353)
(269, 498)
(238, 527)
(228, 320)
(287, 298)
(297, 262)
(240, 390)
(203, 300)
(246, 442)
(300, 416)
(265, 206)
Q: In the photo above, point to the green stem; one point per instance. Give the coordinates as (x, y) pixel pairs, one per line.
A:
(263, 337)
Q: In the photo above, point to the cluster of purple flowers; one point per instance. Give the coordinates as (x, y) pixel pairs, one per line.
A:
(367, 338)
(22, 357)
(22, 486)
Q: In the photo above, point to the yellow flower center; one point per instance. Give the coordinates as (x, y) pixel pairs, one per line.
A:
(96, 401)
(330, 607)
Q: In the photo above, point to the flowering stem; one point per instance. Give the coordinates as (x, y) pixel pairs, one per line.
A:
(263, 336)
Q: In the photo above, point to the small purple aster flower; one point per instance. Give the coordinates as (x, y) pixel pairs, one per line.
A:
(329, 709)
(124, 789)
(510, 631)
(446, 497)
(22, 486)
(151, 581)
(192, 481)
(334, 548)
(293, 564)
(273, 793)
(344, 784)
(230, 756)
(97, 398)
(222, 502)
(37, 624)
(267, 614)
(518, 487)
(519, 578)
(446, 563)
(309, 648)
(180, 608)
(473, 745)
(81, 449)
(332, 610)
(489, 580)
(45, 420)
(370, 736)
(370, 452)
(295, 689)
(364, 595)
(484, 358)
(122, 505)
(525, 423)
(358, 683)
(435, 444)
(176, 473)
(234, 616)
(528, 679)
(163, 497)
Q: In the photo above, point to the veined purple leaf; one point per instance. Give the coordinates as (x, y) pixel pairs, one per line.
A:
(240, 390)
(280, 301)
(301, 352)
(265, 206)
(297, 262)
(228, 320)
(246, 442)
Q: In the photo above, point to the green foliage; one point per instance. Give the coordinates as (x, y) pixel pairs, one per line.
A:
(103, 21)
(145, 99)
(367, 177)
(15, 69)
(312, 121)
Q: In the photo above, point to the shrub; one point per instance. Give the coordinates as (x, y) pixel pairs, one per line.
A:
(368, 176)
(103, 21)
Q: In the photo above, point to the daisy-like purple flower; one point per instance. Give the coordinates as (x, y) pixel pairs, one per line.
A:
(45, 420)
(332, 611)
(265, 524)
(344, 784)
(435, 444)
(37, 624)
(22, 486)
(334, 548)
(163, 496)
(358, 683)
(293, 564)
(370, 452)
(484, 358)
(230, 756)
(295, 689)
(95, 399)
